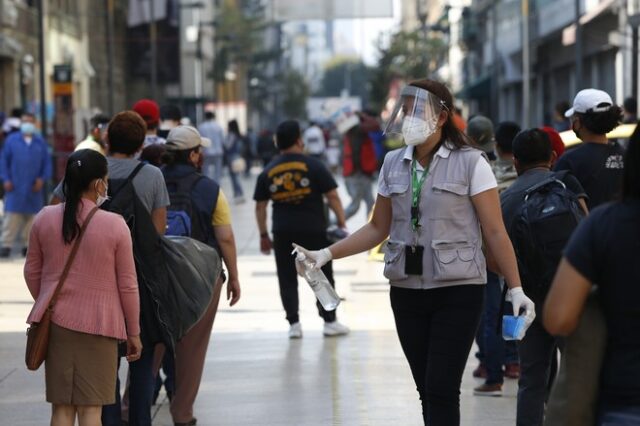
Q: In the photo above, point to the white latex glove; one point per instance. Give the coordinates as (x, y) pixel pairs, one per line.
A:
(519, 300)
(318, 257)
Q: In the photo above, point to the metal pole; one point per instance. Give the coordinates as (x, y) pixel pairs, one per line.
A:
(495, 64)
(110, 59)
(634, 62)
(41, 61)
(578, 47)
(180, 61)
(153, 37)
(526, 66)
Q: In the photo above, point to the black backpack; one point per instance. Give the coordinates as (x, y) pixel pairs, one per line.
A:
(182, 218)
(176, 276)
(549, 214)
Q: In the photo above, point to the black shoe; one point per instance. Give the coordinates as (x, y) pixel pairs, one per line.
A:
(192, 422)
(5, 252)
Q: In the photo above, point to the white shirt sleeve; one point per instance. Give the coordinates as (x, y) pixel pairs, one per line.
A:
(482, 178)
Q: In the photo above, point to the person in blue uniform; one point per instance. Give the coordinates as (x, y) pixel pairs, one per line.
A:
(25, 166)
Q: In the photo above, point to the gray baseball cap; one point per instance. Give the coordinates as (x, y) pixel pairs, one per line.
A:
(185, 137)
(480, 130)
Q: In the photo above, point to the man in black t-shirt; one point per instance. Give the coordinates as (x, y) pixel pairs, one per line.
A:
(296, 184)
(533, 157)
(597, 163)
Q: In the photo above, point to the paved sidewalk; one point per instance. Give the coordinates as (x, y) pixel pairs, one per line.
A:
(254, 375)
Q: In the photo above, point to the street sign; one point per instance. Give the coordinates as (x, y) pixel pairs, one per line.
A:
(63, 132)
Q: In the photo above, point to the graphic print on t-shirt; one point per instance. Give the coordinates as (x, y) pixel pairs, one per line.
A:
(289, 182)
(614, 162)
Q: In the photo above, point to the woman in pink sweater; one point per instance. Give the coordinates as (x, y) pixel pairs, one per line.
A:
(98, 303)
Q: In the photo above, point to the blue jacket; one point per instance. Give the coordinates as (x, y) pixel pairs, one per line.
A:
(22, 164)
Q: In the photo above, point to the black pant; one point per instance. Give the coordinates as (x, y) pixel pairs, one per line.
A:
(537, 350)
(436, 328)
(287, 275)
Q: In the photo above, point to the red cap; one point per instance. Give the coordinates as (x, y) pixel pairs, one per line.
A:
(148, 110)
(556, 141)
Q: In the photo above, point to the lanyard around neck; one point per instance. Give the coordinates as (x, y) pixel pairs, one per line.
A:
(416, 190)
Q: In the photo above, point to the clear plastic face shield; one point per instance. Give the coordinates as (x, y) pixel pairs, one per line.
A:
(415, 115)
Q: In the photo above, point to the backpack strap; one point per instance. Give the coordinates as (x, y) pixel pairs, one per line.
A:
(129, 179)
(542, 184)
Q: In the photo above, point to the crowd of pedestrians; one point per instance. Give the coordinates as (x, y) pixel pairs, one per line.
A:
(476, 220)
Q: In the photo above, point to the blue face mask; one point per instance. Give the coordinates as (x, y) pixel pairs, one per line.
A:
(28, 129)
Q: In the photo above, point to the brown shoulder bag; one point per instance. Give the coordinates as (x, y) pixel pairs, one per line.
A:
(38, 332)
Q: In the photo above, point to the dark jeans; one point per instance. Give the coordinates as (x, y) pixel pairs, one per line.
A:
(287, 275)
(436, 328)
(536, 350)
(496, 352)
(169, 369)
(141, 383)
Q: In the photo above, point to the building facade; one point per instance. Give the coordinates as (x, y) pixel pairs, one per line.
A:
(494, 71)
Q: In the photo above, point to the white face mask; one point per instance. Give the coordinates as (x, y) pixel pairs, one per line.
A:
(416, 130)
(103, 198)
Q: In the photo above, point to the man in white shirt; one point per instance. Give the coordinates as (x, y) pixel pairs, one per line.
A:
(213, 155)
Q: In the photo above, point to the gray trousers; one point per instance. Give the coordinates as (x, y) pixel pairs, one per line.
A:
(16, 225)
(359, 187)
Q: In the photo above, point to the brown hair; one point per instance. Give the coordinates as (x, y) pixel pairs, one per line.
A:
(126, 133)
(450, 132)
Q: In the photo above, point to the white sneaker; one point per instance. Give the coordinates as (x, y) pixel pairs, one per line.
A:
(295, 331)
(335, 329)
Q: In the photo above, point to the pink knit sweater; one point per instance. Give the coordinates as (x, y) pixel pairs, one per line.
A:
(100, 294)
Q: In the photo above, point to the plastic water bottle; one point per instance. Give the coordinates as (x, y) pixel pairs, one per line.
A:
(318, 282)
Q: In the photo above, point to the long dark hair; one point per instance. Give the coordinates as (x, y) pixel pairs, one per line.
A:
(450, 132)
(233, 127)
(83, 167)
(631, 171)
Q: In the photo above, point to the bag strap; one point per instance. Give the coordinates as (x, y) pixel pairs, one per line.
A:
(542, 184)
(129, 178)
(72, 256)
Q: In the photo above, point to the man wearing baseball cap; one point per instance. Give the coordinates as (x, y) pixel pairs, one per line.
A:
(150, 113)
(210, 223)
(597, 162)
(480, 131)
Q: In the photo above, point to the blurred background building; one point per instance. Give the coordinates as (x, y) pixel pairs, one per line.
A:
(259, 61)
(601, 53)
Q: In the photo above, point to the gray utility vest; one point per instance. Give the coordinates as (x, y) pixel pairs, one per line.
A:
(450, 230)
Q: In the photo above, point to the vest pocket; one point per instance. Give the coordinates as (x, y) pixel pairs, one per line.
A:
(394, 258)
(451, 187)
(454, 261)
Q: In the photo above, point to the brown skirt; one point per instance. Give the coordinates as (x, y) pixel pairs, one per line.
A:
(80, 368)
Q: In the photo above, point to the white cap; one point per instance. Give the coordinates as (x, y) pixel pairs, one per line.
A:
(590, 100)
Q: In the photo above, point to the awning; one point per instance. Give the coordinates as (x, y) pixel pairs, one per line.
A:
(479, 88)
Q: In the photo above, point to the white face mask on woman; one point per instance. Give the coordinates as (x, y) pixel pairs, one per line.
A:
(102, 198)
(416, 131)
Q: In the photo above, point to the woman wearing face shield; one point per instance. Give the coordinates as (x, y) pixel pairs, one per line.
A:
(437, 201)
